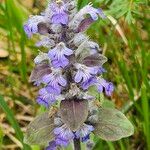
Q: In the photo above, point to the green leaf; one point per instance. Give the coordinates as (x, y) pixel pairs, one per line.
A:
(129, 17)
(40, 130)
(74, 113)
(113, 125)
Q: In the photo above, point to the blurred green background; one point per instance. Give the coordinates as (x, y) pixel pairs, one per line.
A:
(125, 39)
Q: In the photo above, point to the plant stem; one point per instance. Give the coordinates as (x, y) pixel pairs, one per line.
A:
(77, 145)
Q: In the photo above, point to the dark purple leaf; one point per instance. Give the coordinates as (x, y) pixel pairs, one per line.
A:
(85, 24)
(39, 71)
(74, 113)
(94, 60)
(43, 28)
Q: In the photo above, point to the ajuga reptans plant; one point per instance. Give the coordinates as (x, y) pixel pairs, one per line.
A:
(72, 65)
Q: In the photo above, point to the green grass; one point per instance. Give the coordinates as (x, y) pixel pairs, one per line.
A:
(128, 65)
(13, 122)
(12, 19)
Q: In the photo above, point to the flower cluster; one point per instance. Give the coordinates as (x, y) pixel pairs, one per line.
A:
(72, 64)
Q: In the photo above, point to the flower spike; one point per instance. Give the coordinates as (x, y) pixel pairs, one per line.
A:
(72, 64)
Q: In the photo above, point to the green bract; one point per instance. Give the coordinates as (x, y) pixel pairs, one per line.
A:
(113, 125)
(40, 130)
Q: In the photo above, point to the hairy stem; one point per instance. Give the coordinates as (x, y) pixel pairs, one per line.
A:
(77, 145)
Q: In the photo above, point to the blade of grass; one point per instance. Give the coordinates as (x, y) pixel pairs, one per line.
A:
(16, 17)
(122, 147)
(127, 78)
(98, 143)
(1, 137)
(111, 146)
(128, 81)
(13, 122)
(145, 109)
(23, 57)
(82, 3)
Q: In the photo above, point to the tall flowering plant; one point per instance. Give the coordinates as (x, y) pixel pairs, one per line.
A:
(65, 73)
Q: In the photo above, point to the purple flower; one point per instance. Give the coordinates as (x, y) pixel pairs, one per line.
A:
(84, 73)
(86, 138)
(81, 15)
(100, 83)
(28, 30)
(54, 90)
(102, 70)
(31, 27)
(59, 15)
(90, 82)
(108, 86)
(37, 83)
(52, 146)
(64, 132)
(84, 132)
(94, 13)
(61, 141)
(55, 80)
(58, 55)
(109, 89)
(63, 135)
(45, 98)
